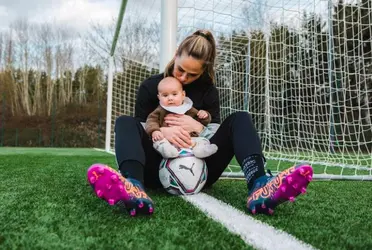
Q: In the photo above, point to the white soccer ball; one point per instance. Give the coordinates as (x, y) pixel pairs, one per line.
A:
(184, 175)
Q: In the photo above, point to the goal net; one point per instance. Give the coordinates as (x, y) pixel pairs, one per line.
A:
(302, 69)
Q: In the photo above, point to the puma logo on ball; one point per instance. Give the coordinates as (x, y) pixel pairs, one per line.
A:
(187, 168)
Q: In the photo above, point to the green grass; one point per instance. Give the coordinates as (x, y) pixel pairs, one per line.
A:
(275, 165)
(362, 159)
(332, 214)
(51, 151)
(46, 203)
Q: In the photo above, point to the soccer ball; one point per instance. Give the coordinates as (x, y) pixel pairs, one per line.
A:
(184, 175)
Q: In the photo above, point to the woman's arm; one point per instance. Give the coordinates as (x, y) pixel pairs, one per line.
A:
(211, 104)
(209, 130)
(146, 100)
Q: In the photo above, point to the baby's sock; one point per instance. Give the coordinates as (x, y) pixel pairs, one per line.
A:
(166, 149)
(203, 149)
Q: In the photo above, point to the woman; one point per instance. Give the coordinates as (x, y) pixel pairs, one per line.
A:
(193, 66)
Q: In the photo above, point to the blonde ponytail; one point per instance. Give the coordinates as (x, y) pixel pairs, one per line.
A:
(201, 46)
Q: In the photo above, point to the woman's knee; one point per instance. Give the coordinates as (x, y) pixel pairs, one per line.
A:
(125, 121)
(241, 115)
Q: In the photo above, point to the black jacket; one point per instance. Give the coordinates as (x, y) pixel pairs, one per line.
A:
(202, 92)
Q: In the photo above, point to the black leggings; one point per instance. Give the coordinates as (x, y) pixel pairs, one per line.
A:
(236, 136)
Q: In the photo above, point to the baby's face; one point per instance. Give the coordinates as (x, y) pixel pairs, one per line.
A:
(170, 93)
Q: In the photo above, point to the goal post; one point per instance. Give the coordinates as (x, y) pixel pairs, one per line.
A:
(168, 36)
(302, 69)
(168, 31)
(110, 75)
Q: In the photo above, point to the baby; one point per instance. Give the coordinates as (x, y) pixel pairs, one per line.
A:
(172, 99)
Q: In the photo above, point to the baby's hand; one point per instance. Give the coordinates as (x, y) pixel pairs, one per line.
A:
(157, 136)
(202, 114)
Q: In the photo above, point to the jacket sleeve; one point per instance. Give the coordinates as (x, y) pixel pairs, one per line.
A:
(153, 122)
(193, 112)
(145, 103)
(209, 130)
(207, 120)
(212, 104)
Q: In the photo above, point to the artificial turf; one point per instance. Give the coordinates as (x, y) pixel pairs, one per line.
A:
(331, 215)
(46, 203)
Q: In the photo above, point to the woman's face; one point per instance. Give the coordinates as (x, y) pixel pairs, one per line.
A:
(187, 69)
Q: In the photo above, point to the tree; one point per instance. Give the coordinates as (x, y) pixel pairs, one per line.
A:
(352, 33)
(137, 41)
(22, 49)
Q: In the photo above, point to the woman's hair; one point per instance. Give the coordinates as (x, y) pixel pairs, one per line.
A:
(200, 45)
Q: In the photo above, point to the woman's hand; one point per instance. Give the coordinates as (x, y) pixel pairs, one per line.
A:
(184, 121)
(177, 136)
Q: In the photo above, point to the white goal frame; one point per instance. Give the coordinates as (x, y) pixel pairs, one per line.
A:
(169, 25)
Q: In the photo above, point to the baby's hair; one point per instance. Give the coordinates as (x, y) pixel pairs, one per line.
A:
(170, 78)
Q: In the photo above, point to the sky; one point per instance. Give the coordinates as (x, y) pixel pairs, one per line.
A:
(79, 14)
(221, 16)
(75, 13)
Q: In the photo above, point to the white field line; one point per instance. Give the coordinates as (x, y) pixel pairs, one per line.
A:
(252, 231)
(102, 150)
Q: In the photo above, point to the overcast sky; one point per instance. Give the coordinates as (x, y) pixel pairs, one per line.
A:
(75, 13)
(222, 16)
(78, 14)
